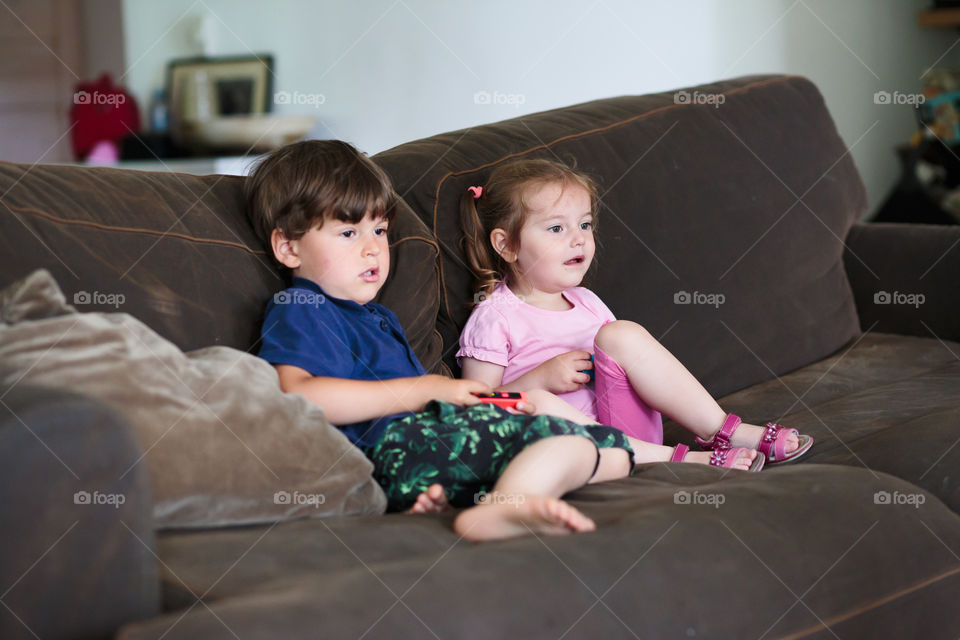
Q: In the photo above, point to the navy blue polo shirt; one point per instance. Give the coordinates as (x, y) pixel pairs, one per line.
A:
(335, 338)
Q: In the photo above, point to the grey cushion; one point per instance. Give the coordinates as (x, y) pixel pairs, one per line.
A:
(218, 435)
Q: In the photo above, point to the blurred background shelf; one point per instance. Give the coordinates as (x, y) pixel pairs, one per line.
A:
(939, 18)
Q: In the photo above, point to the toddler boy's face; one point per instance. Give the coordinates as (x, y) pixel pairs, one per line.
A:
(349, 261)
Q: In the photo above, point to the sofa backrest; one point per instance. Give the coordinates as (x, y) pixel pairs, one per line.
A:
(178, 252)
(724, 209)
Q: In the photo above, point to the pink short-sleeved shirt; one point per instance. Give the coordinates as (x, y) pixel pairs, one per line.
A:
(506, 331)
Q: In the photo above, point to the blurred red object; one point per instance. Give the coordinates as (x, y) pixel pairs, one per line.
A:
(101, 111)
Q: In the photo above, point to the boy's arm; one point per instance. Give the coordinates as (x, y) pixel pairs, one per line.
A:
(347, 401)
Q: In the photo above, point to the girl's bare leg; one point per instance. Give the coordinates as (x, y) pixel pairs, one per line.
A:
(666, 385)
(614, 462)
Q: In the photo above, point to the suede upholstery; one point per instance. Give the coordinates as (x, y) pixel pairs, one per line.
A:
(218, 435)
(679, 217)
(756, 199)
(180, 251)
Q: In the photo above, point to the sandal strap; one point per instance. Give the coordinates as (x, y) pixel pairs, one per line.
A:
(679, 453)
(719, 457)
(721, 440)
(775, 438)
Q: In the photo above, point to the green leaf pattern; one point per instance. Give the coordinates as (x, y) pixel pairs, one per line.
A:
(465, 449)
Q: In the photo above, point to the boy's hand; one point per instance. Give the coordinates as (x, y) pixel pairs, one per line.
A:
(562, 373)
(524, 407)
(455, 391)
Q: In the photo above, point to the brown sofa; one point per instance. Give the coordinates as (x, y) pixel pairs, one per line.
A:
(728, 228)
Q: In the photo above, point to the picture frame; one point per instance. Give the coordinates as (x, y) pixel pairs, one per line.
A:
(205, 88)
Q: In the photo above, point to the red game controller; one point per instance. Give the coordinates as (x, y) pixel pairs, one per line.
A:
(504, 399)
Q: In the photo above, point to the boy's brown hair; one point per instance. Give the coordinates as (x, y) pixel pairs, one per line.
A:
(298, 186)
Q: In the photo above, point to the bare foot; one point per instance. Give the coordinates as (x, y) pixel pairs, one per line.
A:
(743, 460)
(433, 500)
(500, 518)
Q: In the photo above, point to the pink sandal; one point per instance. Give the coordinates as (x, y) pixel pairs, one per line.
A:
(721, 457)
(772, 444)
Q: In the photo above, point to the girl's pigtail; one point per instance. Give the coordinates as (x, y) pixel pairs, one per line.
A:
(476, 246)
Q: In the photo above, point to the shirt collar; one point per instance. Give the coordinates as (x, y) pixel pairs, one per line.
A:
(306, 283)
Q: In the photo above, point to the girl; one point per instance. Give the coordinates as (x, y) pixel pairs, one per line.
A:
(529, 240)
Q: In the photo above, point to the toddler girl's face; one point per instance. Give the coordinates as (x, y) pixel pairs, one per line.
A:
(556, 240)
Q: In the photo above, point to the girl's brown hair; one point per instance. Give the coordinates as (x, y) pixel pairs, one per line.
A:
(503, 205)
(297, 187)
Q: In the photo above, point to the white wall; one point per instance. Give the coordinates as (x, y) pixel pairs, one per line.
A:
(102, 28)
(396, 70)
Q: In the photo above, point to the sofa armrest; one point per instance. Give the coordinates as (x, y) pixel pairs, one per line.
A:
(72, 564)
(906, 278)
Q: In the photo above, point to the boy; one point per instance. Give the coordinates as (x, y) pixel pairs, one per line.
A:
(324, 209)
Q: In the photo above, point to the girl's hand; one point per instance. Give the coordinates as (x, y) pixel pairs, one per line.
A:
(455, 391)
(562, 373)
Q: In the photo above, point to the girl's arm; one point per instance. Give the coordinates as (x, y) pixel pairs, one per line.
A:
(347, 401)
(560, 374)
(492, 374)
(473, 369)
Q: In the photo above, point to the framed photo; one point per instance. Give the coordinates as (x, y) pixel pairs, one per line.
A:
(201, 89)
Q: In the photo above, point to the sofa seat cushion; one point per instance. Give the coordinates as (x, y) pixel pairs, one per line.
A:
(886, 403)
(795, 550)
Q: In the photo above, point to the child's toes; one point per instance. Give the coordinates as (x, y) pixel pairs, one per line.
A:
(745, 459)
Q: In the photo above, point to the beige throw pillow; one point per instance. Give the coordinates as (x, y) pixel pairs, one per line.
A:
(223, 444)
